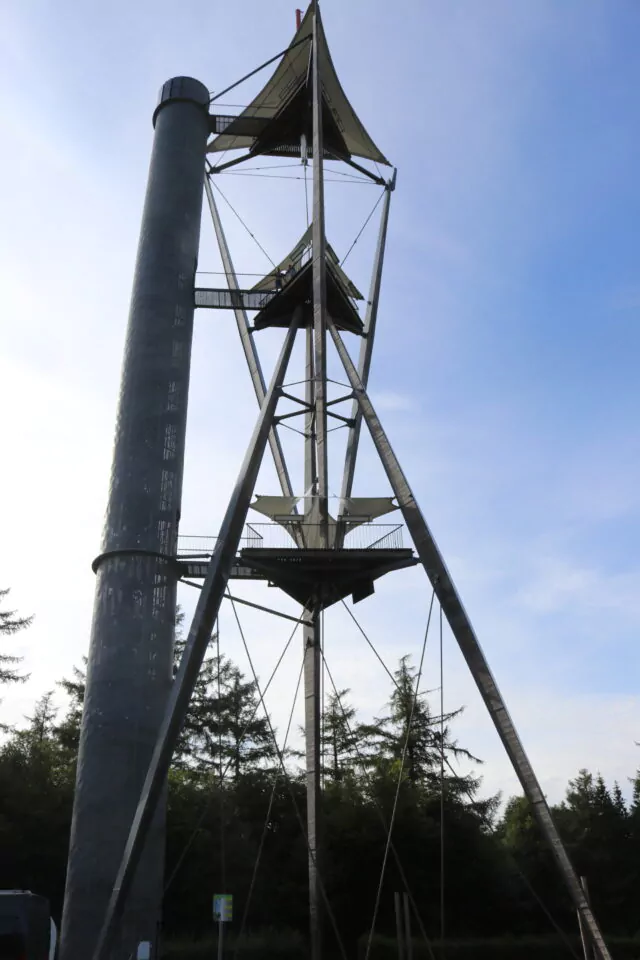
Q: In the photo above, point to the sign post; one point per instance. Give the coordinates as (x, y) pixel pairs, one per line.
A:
(222, 913)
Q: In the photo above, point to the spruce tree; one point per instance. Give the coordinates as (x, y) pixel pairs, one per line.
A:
(11, 624)
(411, 731)
(339, 737)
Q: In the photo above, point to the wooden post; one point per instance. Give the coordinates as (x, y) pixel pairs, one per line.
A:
(408, 940)
(399, 926)
(220, 940)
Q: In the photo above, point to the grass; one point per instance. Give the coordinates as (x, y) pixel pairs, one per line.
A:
(287, 945)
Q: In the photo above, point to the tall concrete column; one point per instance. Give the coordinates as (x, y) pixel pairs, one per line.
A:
(131, 651)
(312, 639)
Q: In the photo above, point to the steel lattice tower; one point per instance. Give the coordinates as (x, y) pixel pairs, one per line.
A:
(133, 711)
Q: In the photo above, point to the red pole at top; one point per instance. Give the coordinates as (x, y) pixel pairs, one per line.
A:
(298, 19)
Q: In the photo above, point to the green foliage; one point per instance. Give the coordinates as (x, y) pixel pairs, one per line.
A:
(68, 732)
(410, 733)
(223, 729)
(339, 738)
(36, 793)
(502, 948)
(11, 624)
(216, 827)
(274, 945)
(603, 841)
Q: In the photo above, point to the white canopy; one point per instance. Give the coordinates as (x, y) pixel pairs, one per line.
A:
(273, 507)
(294, 259)
(290, 78)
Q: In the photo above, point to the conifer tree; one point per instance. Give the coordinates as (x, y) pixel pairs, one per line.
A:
(11, 624)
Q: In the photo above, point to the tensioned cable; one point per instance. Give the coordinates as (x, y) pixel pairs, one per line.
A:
(263, 104)
(544, 908)
(223, 858)
(357, 178)
(222, 273)
(284, 166)
(322, 703)
(295, 429)
(292, 46)
(352, 176)
(445, 760)
(265, 827)
(346, 174)
(371, 644)
(290, 176)
(472, 800)
(306, 193)
(384, 666)
(214, 97)
(523, 876)
(273, 166)
(228, 202)
(205, 809)
(342, 262)
(442, 917)
(312, 853)
(245, 106)
(399, 783)
(378, 809)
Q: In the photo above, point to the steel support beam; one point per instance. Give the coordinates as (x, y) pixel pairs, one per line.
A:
(463, 631)
(131, 648)
(248, 345)
(312, 734)
(236, 83)
(207, 608)
(310, 469)
(366, 347)
(318, 245)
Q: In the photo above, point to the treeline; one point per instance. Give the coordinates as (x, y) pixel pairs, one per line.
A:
(235, 820)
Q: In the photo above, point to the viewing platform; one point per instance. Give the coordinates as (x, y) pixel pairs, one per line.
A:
(304, 559)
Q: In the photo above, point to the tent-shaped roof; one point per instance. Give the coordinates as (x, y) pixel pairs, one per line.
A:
(296, 259)
(281, 113)
(297, 290)
(292, 283)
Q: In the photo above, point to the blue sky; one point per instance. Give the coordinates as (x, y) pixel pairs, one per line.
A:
(506, 358)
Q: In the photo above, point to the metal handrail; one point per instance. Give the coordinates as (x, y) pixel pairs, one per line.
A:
(290, 534)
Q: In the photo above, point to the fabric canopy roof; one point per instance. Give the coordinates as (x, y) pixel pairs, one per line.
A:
(358, 510)
(284, 105)
(273, 507)
(294, 259)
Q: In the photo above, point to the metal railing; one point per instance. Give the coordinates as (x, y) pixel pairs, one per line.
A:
(194, 548)
(290, 534)
(366, 536)
(220, 299)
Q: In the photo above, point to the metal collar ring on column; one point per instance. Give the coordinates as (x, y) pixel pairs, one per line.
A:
(133, 552)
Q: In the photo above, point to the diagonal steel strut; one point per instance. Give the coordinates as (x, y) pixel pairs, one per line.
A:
(248, 345)
(319, 270)
(201, 627)
(464, 633)
(366, 347)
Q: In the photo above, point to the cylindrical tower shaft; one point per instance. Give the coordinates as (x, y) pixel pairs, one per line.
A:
(130, 657)
(312, 727)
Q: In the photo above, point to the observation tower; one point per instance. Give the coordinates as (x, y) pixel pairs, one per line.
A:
(316, 549)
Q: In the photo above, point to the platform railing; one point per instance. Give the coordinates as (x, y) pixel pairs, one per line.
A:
(288, 534)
